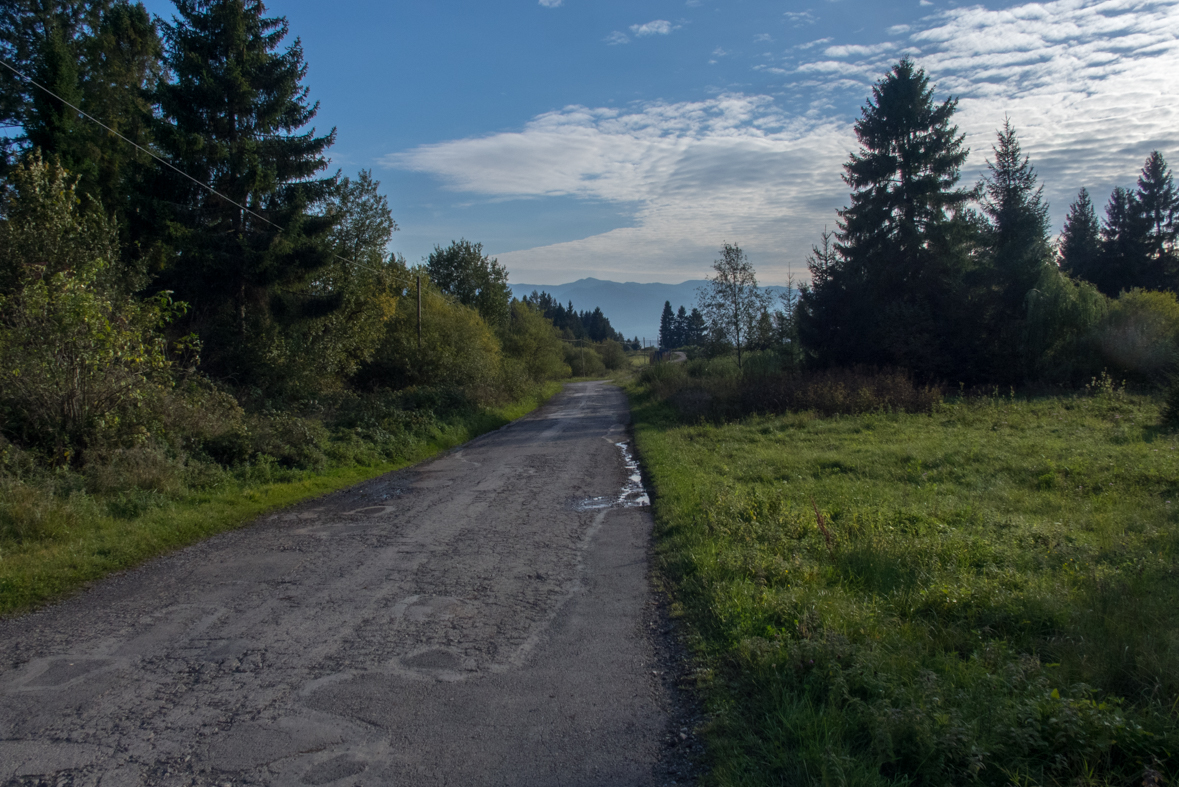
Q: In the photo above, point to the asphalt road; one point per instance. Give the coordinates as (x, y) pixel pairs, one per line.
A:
(479, 619)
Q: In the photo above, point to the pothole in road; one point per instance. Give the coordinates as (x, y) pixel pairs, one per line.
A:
(632, 495)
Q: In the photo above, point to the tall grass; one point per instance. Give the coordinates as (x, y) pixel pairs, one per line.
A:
(984, 593)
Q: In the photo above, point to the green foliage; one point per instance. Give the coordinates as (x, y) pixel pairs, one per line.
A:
(984, 595)
(613, 355)
(732, 302)
(101, 56)
(458, 349)
(1015, 237)
(718, 389)
(76, 354)
(891, 290)
(532, 341)
(584, 361)
(464, 271)
(233, 114)
(322, 352)
(1062, 314)
(46, 228)
(1139, 336)
(1080, 239)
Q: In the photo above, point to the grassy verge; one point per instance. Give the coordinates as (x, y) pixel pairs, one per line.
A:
(81, 536)
(987, 594)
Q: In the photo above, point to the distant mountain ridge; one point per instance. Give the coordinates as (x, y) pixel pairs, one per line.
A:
(632, 308)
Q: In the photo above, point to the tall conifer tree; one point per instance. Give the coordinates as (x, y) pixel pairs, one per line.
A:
(1080, 239)
(1159, 205)
(99, 55)
(666, 327)
(681, 327)
(1017, 251)
(234, 114)
(890, 291)
(1018, 233)
(1124, 245)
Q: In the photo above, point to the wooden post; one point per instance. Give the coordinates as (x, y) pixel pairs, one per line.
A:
(419, 312)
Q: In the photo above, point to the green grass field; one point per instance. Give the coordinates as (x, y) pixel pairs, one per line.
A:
(52, 543)
(988, 594)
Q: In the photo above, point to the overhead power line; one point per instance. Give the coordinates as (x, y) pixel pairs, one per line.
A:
(409, 282)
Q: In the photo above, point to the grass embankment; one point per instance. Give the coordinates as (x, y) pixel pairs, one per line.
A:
(985, 594)
(58, 533)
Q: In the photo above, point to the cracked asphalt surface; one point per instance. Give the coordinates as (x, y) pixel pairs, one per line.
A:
(467, 621)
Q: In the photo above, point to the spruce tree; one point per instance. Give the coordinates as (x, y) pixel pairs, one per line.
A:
(681, 327)
(233, 114)
(1080, 239)
(1017, 235)
(697, 328)
(102, 56)
(890, 290)
(1159, 205)
(666, 327)
(1017, 251)
(1124, 245)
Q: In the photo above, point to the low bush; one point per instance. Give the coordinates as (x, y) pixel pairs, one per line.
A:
(840, 392)
(613, 355)
(584, 362)
(716, 388)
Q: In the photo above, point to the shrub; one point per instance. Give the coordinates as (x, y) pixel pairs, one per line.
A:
(1139, 336)
(532, 340)
(663, 379)
(76, 353)
(613, 355)
(457, 349)
(584, 362)
(841, 392)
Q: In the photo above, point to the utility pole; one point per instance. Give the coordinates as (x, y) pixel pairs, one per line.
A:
(419, 311)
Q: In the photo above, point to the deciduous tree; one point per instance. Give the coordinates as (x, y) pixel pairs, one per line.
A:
(732, 302)
(476, 280)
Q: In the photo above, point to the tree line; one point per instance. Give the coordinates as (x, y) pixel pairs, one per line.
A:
(962, 284)
(572, 324)
(196, 234)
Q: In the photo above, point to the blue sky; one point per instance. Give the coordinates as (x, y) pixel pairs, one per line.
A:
(628, 140)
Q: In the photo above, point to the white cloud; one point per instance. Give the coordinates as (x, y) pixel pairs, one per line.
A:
(551, 3)
(859, 51)
(817, 42)
(1089, 84)
(659, 27)
(762, 37)
(616, 38)
(800, 18)
(733, 167)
